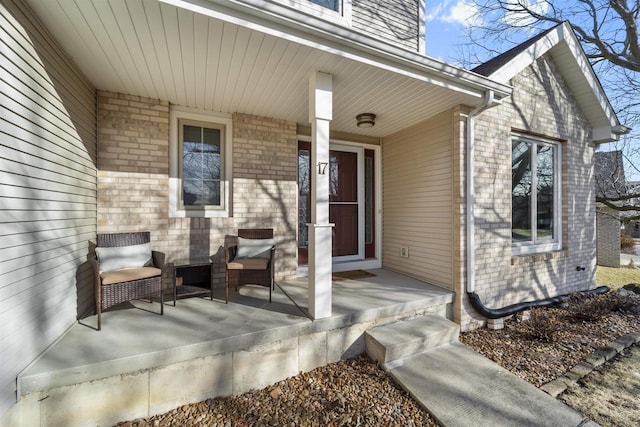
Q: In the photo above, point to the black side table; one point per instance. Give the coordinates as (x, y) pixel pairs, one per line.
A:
(196, 275)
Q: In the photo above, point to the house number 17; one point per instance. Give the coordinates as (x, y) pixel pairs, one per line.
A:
(322, 168)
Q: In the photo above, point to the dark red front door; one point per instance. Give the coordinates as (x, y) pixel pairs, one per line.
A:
(343, 201)
(344, 206)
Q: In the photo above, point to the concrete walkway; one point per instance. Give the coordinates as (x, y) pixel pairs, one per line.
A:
(626, 258)
(460, 387)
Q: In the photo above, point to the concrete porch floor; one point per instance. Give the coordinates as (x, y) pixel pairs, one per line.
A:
(138, 339)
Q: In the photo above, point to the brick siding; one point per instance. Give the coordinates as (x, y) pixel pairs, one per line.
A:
(542, 103)
(608, 237)
(133, 182)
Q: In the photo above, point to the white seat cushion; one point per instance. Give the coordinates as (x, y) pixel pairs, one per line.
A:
(117, 258)
(254, 248)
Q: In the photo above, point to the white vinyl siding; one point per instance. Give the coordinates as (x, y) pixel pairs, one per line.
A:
(47, 192)
(417, 195)
(395, 21)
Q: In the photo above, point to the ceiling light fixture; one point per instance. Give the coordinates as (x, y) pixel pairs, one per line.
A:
(366, 120)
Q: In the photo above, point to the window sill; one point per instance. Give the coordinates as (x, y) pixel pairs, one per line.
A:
(342, 17)
(199, 213)
(539, 257)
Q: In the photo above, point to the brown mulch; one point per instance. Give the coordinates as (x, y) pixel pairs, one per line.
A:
(357, 392)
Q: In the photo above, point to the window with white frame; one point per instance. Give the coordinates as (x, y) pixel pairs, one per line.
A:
(329, 4)
(536, 212)
(199, 164)
(335, 11)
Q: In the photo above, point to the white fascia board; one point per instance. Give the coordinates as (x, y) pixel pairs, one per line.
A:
(562, 38)
(603, 134)
(293, 25)
(525, 58)
(573, 44)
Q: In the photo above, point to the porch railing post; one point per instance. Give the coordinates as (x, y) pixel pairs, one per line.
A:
(320, 230)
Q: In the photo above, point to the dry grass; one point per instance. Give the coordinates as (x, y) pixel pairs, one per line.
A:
(616, 278)
(609, 396)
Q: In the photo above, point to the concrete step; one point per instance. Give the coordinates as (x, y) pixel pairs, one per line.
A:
(387, 344)
(461, 388)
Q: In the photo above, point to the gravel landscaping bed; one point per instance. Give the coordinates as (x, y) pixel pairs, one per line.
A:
(354, 392)
(554, 340)
(357, 392)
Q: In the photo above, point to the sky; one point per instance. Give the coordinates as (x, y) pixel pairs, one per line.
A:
(447, 20)
(445, 28)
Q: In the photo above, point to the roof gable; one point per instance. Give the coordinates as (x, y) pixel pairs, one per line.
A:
(561, 43)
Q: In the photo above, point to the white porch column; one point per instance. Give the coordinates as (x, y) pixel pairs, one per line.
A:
(320, 114)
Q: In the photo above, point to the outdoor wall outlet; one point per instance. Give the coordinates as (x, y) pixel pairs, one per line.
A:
(404, 252)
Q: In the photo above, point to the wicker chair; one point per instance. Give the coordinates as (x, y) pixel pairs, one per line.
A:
(115, 287)
(255, 270)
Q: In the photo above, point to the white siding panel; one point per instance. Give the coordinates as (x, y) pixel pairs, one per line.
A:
(24, 177)
(50, 81)
(47, 136)
(31, 286)
(14, 216)
(46, 309)
(20, 154)
(47, 192)
(418, 180)
(395, 21)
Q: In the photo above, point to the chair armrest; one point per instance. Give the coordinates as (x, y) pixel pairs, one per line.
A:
(230, 253)
(272, 257)
(93, 259)
(158, 259)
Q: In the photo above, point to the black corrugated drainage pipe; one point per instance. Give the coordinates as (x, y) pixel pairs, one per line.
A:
(497, 313)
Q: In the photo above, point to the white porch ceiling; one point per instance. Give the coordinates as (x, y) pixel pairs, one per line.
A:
(153, 49)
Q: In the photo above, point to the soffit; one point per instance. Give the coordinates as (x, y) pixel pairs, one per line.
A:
(153, 49)
(585, 86)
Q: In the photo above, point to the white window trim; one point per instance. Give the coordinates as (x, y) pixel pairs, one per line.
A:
(342, 17)
(525, 248)
(176, 210)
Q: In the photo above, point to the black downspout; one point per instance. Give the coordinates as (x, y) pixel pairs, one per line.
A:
(497, 313)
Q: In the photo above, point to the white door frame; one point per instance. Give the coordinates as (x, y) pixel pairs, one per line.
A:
(359, 263)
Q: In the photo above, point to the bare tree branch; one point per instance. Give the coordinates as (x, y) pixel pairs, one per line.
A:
(608, 33)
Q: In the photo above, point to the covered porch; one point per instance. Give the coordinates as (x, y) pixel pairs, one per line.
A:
(268, 80)
(142, 363)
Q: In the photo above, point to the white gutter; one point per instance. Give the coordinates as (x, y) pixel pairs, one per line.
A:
(487, 103)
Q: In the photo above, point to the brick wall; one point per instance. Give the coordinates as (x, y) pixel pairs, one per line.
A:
(541, 103)
(608, 237)
(133, 182)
